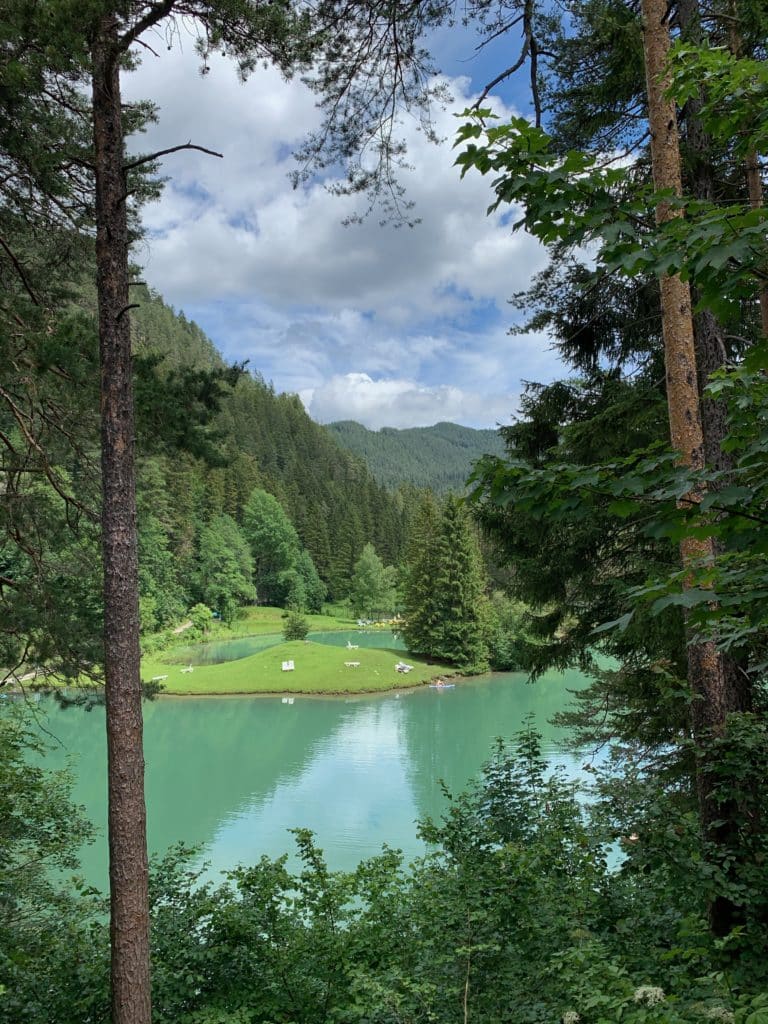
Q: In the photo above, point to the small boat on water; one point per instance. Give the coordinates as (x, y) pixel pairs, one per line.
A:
(440, 685)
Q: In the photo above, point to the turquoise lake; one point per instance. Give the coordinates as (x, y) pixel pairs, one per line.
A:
(232, 775)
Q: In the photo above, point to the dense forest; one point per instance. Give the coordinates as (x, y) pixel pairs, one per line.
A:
(439, 457)
(624, 526)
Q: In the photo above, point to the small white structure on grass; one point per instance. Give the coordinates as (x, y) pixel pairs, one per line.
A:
(288, 666)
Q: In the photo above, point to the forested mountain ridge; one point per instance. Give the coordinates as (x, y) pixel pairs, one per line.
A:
(158, 328)
(440, 457)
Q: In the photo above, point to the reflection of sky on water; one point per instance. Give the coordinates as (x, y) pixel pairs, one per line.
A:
(354, 794)
(368, 781)
(233, 775)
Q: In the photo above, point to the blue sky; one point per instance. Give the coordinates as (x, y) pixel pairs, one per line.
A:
(391, 327)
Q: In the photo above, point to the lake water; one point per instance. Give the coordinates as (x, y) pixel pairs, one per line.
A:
(233, 774)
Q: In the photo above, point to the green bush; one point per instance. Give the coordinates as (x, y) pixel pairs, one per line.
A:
(296, 627)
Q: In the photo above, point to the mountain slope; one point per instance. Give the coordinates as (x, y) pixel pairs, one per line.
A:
(267, 440)
(440, 457)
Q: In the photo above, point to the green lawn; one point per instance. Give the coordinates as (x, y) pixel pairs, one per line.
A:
(319, 668)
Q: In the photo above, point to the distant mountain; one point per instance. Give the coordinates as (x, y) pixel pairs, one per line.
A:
(440, 457)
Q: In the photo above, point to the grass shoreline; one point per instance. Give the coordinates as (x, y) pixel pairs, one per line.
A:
(321, 669)
(318, 694)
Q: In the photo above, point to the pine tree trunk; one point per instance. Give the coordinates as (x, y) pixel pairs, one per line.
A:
(713, 694)
(708, 332)
(131, 1003)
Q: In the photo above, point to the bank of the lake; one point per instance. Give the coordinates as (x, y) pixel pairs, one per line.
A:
(340, 661)
(317, 668)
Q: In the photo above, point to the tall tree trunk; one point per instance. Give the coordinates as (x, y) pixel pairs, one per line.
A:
(709, 337)
(708, 333)
(131, 1003)
(712, 689)
(755, 190)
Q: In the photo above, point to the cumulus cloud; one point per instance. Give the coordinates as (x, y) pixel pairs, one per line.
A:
(392, 402)
(236, 222)
(405, 323)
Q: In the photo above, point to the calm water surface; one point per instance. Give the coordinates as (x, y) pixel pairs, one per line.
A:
(232, 774)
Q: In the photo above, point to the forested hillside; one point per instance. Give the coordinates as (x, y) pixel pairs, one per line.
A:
(260, 439)
(208, 437)
(439, 457)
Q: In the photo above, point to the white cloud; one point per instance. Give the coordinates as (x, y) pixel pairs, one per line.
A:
(237, 225)
(394, 323)
(392, 402)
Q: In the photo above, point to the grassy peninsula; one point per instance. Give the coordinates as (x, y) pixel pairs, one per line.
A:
(318, 668)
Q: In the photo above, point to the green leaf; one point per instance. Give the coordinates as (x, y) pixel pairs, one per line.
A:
(686, 599)
(622, 508)
(620, 624)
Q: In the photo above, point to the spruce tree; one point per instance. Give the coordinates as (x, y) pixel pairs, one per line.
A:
(444, 599)
(459, 591)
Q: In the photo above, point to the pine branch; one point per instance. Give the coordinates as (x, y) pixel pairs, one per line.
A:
(164, 152)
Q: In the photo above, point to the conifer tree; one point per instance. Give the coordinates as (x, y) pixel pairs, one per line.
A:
(363, 61)
(459, 591)
(444, 599)
(714, 690)
(717, 687)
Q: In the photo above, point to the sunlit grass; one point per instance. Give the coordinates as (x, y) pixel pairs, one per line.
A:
(319, 668)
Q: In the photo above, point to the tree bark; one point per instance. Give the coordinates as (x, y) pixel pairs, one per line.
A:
(708, 334)
(755, 189)
(709, 340)
(128, 875)
(712, 688)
